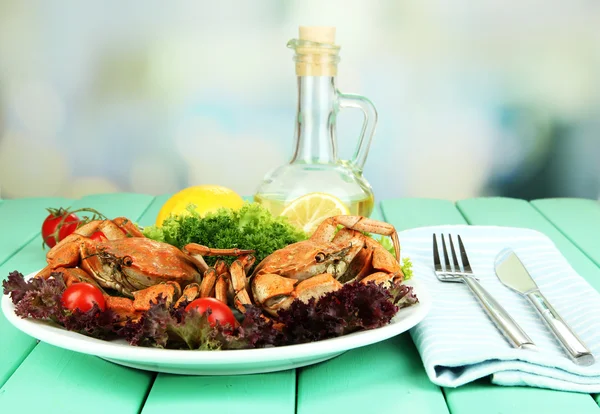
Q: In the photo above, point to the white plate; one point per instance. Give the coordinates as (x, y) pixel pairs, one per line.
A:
(228, 362)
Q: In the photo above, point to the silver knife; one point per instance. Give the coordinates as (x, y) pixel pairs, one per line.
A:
(512, 273)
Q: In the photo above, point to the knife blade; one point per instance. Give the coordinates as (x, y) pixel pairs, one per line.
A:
(513, 274)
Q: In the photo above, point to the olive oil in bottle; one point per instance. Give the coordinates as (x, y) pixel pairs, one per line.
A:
(314, 166)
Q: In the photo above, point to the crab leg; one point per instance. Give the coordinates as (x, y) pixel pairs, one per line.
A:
(328, 227)
(221, 267)
(239, 281)
(111, 230)
(198, 261)
(195, 251)
(208, 283)
(195, 248)
(127, 225)
(222, 287)
(247, 261)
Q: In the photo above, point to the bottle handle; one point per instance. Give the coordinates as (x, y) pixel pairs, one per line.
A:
(368, 127)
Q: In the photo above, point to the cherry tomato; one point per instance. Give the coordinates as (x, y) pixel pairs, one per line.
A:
(82, 296)
(220, 312)
(52, 233)
(98, 236)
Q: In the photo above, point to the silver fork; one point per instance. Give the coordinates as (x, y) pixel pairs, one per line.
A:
(513, 333)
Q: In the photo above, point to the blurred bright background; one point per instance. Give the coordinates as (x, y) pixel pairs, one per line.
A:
(474, 98)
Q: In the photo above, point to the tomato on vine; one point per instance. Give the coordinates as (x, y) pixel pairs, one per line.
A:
(62, 222)
(58, 225)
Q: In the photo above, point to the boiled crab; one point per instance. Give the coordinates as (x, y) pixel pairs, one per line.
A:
(140, 268)
(322, 263)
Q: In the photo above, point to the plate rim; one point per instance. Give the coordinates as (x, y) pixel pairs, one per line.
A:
(52, 334)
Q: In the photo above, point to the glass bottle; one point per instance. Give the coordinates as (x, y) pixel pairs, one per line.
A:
(314, 166)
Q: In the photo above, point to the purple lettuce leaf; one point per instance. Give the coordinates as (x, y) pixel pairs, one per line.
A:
(356, 306)
(37, 298)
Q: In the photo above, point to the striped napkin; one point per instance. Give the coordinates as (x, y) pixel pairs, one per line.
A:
(457, 341)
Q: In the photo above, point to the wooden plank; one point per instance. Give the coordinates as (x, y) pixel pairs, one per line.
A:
(92, 385)
(472, 397)
(579, 221)
(519, 213)
(149, 216)
(21, 220)
(54, 380)
(247, 393)
(223, 394)
(387, 376)
(469, 398)
(409, 213)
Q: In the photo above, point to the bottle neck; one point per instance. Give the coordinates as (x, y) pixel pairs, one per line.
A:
(315, 120)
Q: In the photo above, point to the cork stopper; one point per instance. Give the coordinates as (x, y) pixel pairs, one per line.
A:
(316, 51)
(318, 34)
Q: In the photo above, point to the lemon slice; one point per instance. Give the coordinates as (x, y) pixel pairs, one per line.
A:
(206, 198)
(308, 211)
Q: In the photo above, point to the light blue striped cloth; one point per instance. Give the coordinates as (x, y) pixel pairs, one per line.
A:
(457, 341)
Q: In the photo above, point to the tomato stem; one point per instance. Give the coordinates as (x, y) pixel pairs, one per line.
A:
(64, 213)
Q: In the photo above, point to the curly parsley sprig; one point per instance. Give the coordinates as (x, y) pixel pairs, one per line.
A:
(250, 227)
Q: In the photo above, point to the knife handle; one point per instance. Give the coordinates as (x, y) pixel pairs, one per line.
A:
(577, 350)
(515, 335)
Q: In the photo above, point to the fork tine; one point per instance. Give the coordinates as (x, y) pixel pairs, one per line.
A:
(463, 256)
(446, 257)
(454, 258)
(436, 255)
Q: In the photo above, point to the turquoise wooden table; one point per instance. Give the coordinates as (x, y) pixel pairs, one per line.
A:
(387, 377)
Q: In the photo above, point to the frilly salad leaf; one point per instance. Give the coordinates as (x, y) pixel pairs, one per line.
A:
(41, 299)
(165, 327)
(407, 268)
(354, 307)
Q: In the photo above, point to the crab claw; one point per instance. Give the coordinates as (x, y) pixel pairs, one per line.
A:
(317, 286)
(76, 275)
(123, 308)
(383, 278)
(273, 292)
(239, 284)
(190, 292)
(143, 299)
